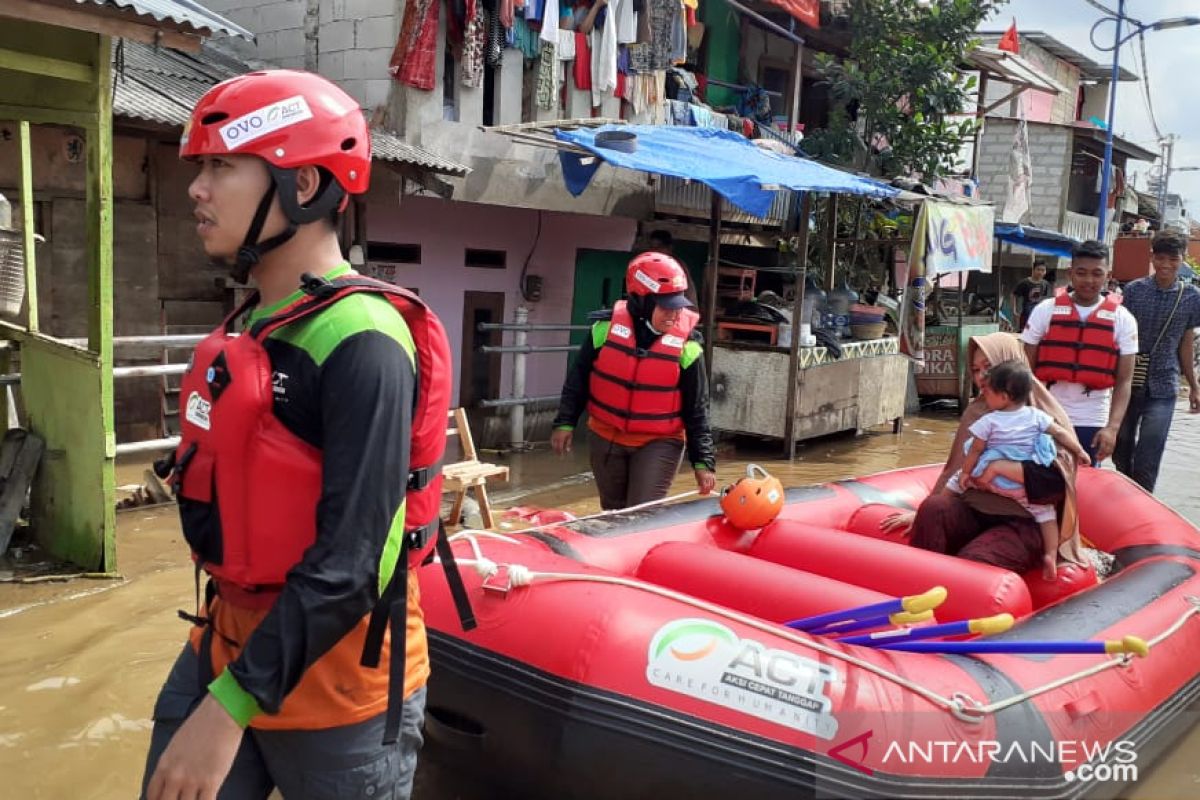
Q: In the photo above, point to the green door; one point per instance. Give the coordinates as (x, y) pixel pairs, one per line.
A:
(599, 282)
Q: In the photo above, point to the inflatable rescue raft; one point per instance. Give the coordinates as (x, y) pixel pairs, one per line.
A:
(647, 656)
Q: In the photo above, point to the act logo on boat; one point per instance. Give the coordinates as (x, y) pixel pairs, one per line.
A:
(706, 660)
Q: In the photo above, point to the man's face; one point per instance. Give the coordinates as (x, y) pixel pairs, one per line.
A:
(1166, 267)
(1039, 272)
(1088, 278)
(226, 192)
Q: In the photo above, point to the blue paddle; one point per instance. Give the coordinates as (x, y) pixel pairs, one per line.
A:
(1128, 644)
(897, 619)
(913, 604)
(984, 625)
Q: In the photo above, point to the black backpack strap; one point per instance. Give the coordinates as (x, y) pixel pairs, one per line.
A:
(392, 611)
(458, 591)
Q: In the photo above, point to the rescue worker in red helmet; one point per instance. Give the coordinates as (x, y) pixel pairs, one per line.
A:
(304, 475)
(640, 376)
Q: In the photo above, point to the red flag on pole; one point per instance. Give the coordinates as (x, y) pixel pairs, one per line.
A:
(1009, 40)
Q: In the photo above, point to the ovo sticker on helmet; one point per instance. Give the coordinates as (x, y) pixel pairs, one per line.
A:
(706, 660)
(647, 281)
(268, 119)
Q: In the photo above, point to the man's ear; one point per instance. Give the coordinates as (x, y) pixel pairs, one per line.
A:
(308, 181)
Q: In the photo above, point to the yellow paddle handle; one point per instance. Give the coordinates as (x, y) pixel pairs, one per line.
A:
(916, 603)
(1128, 644)
(989, 625)
(905, 618)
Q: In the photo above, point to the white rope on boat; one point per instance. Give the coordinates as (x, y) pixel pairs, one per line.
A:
(598, 515)
(1120, 661)
(961, 704)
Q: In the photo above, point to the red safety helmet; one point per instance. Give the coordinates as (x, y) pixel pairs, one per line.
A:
(754, 501)
(289, 119)
(654, 273)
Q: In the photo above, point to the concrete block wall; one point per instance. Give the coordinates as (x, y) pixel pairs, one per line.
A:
(347, 41)
(1050, 156)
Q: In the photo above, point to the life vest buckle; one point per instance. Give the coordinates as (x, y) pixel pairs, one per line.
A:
(316, 286)
(417, 539)
(421, 477)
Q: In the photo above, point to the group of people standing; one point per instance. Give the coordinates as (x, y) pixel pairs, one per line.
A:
(1097, 370)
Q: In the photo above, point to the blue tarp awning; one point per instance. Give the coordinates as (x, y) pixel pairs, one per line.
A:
(1043, 241)
(728, 163)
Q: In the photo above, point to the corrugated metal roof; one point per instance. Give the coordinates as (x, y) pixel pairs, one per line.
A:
(1089, 69)
(161, 85)
(182, 12)
(1013, 69)
(387, 146)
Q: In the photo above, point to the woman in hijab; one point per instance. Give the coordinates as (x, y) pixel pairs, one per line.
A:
(982, 526)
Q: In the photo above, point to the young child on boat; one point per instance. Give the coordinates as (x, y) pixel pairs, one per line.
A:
(1009, 445)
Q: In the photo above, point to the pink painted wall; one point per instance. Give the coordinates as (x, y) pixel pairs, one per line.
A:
(446, 229)
(1039, 106)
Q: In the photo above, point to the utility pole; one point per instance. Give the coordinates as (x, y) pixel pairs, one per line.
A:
(1168, 145)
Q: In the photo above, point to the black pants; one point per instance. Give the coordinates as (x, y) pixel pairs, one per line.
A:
(628, 476)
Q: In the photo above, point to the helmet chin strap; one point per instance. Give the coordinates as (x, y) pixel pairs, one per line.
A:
(283, 183)
(252, 250)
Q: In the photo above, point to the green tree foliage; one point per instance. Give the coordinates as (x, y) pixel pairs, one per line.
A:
(893, 98)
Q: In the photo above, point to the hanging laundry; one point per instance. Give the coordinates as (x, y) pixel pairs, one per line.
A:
(679, 112)
(524, 38)
(565, 51)
(678, 36)
(583, 62)
(663, 15)
(547, 83)
(457, 14)
(412, 61)
(495, 40)
(627, 23)
(604, 56)
(507, 8)
(550, 22)
(474, 45)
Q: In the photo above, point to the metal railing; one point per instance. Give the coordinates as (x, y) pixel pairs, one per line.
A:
(141, 371)
(520, 349)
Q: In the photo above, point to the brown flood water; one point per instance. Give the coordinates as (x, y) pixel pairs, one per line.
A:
(82, 661)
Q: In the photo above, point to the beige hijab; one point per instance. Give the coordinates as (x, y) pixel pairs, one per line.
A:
(998, 348)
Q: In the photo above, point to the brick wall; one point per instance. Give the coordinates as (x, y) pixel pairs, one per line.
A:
(1050, 155)
(347, 41)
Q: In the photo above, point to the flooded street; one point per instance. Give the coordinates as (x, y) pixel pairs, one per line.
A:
(81, 661)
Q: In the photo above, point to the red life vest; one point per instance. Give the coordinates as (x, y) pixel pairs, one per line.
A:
(635, 390)
(248, 488)
(1077, 351)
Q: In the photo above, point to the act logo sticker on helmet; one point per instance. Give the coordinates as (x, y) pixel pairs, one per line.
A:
(268, 119)
(647, 281)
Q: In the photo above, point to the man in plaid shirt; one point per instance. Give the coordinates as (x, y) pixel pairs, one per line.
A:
(1168, 338)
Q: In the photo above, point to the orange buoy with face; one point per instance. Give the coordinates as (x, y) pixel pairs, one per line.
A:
(754, 501)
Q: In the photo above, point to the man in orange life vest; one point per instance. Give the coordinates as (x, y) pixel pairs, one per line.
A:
(313, 420)
(1083, 344)
(640, 376)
